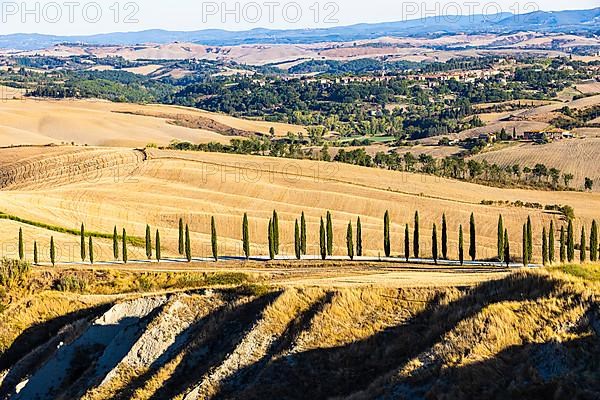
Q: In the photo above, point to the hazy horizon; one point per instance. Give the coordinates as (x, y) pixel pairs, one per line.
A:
(91, 18)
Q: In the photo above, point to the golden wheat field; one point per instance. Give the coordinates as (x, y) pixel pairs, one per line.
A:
(30, 121)
(579, 157)
(104, 187)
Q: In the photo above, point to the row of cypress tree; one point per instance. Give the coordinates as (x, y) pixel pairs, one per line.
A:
(354, 242)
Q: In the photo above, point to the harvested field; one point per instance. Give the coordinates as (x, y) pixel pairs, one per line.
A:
(165, 186)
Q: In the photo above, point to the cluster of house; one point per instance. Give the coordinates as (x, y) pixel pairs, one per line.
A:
(543, 136)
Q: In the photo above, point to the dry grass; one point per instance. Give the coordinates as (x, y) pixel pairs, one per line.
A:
(101, 123)
(196, 186)
(579, 157)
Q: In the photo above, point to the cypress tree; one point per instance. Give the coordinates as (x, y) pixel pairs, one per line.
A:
(506, 248)
(594, 242)
(461, 246)
(148, 243)
(297, 240)
(245, 237)
(213, 239)
(271, 240)
(544, 247)
(276, 232)
(525, 246)
(157, 245)
(82, 243)
(444, 237)
(472, 239)
(529, 240)
(188, 244)
(434, 244)
(91, 250)
(416, 236)
(406, 243)
(386, 234)
(551, 251)
(500, 239)
(329, 234)
(52, 251)
(570, 242)
(323, 240)
(359, 249)
(563, 245)
(35, 253)
(582, 246)
(303, 234)
(350, 241)
(124, 246)
(115, 244)
(21, 245)
(181, 238)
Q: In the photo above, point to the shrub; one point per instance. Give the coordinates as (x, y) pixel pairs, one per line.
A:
(13, 272)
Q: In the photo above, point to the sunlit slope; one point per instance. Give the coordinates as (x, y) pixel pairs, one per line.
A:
(32, 121)
(133, 188)
(529, 335)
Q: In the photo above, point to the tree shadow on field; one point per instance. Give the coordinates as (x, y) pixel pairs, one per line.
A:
(341, 371)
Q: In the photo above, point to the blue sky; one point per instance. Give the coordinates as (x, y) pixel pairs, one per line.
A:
(90, 17)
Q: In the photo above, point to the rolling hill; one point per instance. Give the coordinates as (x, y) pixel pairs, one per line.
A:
(65, 186)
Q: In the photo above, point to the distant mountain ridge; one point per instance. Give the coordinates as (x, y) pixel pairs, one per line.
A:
(571, 21)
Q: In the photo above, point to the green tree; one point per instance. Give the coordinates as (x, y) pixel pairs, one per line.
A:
(115, 244)
(91, 250)
(276, 232)
(124, 251)
(416, 249)
(52, 251)
(506, 248)
(570, 242)
(529, 240)
(148, 243)
(35, 254)
(551, 251)
(323, 240)
(329, 234)
(359, 247)
(544, 247)
(582, 246)
(350, 241)
(525, 246)
(245, 237)
(434, 244)
(594, 242)
(213, 239)
(21, 245)
(297, 240)
(188, 244)
(157, 245)
(181, 238)
(444, 237)
(406, 243)
(500, 239)
(82, 243)
(472, 238)
(386, 234)
(303, 234)
(271, 240)
(563, 245)
(461, 246)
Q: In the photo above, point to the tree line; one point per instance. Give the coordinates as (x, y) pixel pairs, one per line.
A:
(588, 245)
